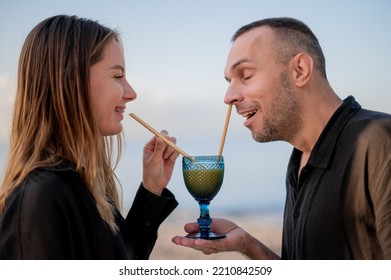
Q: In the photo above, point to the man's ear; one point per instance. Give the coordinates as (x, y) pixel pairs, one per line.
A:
(302, 66)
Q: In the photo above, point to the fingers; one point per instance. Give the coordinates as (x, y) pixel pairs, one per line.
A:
(158, 149)
(169, 153)
(192, 227)
(207, 247)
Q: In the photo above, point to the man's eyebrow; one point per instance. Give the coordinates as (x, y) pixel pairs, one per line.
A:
(236, 64)
(240, 61)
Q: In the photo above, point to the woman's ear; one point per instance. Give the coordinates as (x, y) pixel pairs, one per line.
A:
(302, 65)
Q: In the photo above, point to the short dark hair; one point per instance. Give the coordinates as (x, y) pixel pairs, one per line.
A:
(293, 36)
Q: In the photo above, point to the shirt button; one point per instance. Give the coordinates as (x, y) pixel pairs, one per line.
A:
(148, 223)
(296, 214)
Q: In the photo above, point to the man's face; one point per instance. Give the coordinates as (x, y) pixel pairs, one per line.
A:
(259, 87)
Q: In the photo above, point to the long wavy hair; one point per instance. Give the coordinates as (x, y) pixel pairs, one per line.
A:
(52, 116)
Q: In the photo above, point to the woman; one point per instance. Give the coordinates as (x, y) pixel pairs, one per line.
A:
(59, 198)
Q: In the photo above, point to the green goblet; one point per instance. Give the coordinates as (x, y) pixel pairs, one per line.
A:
(203, 176)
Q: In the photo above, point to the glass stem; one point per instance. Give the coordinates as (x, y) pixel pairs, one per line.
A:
(204, 220)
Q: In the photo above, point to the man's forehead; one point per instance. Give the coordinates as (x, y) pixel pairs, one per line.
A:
(256, 36)
(248, 45)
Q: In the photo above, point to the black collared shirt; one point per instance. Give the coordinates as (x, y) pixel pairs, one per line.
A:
(52, 215)
(340, 206)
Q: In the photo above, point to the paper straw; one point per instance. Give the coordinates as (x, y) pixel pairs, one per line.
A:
(154, 131)
(225, 130)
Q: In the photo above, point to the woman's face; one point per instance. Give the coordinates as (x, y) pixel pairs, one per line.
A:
(110, 91)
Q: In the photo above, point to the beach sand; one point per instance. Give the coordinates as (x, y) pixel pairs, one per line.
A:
(265, 227)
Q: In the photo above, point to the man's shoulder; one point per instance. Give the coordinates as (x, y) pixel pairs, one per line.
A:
(369, 120)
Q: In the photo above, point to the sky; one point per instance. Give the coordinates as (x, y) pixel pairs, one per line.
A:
(175, 56)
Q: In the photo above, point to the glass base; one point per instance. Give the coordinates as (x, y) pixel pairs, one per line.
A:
(205, 235)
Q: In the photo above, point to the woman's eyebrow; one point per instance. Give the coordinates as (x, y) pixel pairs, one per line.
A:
(117, 66)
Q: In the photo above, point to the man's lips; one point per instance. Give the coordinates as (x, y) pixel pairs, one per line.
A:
(247, 114)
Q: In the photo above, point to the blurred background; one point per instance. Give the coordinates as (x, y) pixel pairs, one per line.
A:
(175, 56)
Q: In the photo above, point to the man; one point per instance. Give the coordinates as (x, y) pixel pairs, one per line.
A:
(338, 203)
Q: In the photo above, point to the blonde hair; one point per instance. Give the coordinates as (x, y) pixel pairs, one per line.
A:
(52, 117)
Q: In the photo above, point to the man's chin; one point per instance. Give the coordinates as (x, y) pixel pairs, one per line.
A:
(260, 137)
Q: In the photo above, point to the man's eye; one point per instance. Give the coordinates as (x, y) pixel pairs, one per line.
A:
(247, 78)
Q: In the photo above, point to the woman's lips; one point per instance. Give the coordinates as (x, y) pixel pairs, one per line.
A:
(120, 112)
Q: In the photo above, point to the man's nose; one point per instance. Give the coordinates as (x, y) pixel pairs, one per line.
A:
(233, 95)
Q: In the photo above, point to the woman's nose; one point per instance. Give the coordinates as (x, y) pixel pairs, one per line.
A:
(129, 93)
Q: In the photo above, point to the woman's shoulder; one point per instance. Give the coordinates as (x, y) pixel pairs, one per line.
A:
(53, 180)
(46, 186)
(40, 214)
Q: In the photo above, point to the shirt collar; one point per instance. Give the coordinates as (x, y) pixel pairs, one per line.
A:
(324, 147)
(61, 166)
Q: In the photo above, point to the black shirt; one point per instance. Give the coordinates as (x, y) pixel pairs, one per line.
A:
(52, 215)
(340, 206)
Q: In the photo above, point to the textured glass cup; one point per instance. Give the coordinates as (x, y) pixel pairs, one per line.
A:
(203, 178)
